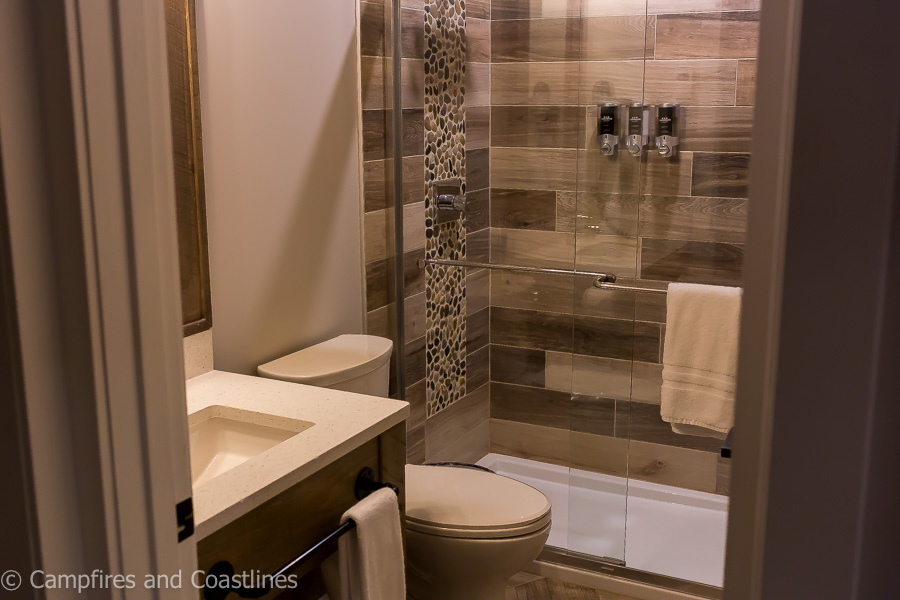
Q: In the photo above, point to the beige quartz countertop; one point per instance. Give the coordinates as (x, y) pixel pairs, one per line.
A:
(343, 421)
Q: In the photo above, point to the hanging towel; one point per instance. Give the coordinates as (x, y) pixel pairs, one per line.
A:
(371, 556)
(700, 358)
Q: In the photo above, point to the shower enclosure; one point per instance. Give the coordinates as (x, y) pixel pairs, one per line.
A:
(531, 327)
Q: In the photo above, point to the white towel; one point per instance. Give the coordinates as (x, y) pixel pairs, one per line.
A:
(700, 358)
(371, 556)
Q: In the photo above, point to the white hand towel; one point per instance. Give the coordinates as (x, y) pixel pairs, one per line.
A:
(371, 556)
(700, 358)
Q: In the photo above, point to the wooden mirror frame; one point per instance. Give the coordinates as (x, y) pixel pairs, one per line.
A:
(187, 142)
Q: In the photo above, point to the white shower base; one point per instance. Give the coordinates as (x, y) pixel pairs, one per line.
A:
(668, 530)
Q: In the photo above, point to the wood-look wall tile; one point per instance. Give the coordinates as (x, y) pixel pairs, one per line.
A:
(534, 169)
(555, 9)
(478, 40)
(620, 174)
(373, 135)
(415, 360)
(414, 316)
(478, 368)
(415, 395)
(708, 35)
(379, 283)
(695, 262)
(646, 382)
(535, 83)
(601, 377)
(532, 291)
(374, 127)
(612, 338)
(531, 329)
(604, 213)
(524, 404)
(721, 175)
(378, 235)
(414, 277)
(531, 247)
(566, 215)
(618, 304)
(681, 467)
(478, 246)
(558, 371)
(534, 442)
(478, 127)
(478, 169)
(540, 40)
(478, 84)
(478, 327)
(746, 83)
(668, 176)
(639, 421)
(612, 81)
(691, 82)
(415, 445)
(413, 226)
(523, 209)
(535, 126)
(412, 82)
(694, 218)
(453, 422)
(479, 9)
(600, 453)
(412, 33)
(606, 253)
(371, 28)
(717, 129)
(618, 38)
(515, 9)
(523, 366)
(413, 131)
(478, 210)
(377, 192)
(683, 6)
(478, 291)
(474, 445)
(381, 321)
(590, 414)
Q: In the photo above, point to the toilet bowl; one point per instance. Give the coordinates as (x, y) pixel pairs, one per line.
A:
(467, 530)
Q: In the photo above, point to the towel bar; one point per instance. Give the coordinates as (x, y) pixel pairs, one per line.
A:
(365, 485)
(603, 281)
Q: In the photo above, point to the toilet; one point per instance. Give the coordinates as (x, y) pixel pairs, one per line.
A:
(468, 530)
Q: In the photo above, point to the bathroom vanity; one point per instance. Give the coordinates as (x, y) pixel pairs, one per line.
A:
(274, 466)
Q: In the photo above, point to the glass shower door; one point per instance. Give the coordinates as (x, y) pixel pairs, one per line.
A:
(612, 336)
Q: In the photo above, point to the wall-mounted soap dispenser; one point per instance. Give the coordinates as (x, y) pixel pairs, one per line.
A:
(638, 128)
(667, 130)
(608, 127)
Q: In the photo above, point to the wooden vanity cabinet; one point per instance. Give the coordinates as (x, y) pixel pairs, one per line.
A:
(282, 528)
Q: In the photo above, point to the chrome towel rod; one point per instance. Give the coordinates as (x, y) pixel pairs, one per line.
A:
(603, 281)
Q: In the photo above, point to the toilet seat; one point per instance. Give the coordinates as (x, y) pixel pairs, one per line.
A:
(466, 503)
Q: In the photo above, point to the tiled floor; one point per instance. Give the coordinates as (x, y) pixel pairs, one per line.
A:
(533, 587)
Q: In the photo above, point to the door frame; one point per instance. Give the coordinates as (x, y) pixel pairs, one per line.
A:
(92, 235)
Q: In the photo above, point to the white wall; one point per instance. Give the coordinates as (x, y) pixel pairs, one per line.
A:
(278, 84)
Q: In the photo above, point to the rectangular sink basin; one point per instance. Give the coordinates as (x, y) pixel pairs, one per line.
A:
(222, 438)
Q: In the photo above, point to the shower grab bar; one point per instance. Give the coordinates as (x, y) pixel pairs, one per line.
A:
(224, 570)
(603, 281)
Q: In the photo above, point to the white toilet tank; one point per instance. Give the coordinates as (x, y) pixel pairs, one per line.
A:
(352, 363)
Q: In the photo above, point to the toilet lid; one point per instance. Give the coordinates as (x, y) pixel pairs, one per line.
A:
(333, 361)
(461, 499)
